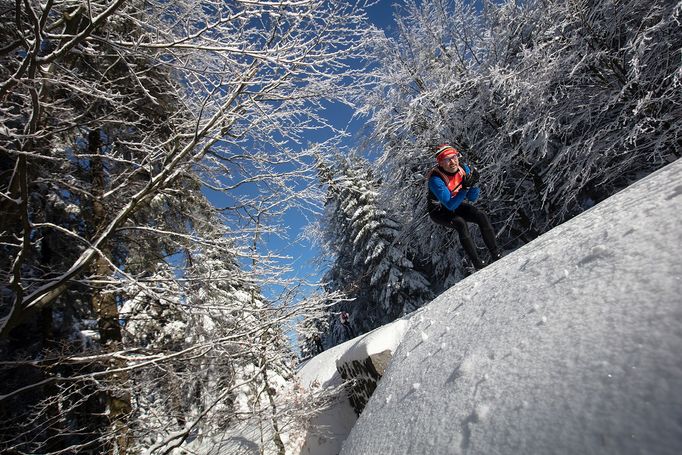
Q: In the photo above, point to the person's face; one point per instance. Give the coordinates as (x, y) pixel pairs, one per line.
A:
(450, 164)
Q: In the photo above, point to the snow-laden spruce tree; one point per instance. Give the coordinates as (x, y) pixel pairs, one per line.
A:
(113, 117)
(559, 104)
(221, 354)
(369, 264)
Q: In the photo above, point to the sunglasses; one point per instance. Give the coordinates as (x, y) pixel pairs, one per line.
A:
(450, 158)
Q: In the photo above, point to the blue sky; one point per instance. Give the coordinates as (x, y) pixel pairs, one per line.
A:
(304, 256)
(301, 251)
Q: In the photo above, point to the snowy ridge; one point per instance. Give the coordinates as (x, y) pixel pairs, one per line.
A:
(569, 345)
(384, 338)
(331, 426)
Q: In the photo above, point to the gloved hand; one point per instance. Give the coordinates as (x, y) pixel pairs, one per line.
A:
(471, 179)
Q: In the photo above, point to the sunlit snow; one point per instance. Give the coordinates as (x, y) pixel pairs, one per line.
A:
(571, 344)
(331, 426)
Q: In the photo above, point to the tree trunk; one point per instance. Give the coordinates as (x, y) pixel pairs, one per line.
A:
(276, 437)
(105, 309)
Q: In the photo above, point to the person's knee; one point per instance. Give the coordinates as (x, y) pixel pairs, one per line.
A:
(482, 220)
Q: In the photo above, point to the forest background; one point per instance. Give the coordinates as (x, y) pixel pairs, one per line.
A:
(134, 316)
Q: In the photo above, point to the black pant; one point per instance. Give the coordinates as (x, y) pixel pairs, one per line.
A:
(348, 329)
(458, 219)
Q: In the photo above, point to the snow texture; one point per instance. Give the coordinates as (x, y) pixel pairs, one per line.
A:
(386, 338)
(331, 426)
(571, 344)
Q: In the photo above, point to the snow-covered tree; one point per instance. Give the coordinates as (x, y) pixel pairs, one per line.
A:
(114, 116)
(222, 354)
(559, 104)
(369, 264)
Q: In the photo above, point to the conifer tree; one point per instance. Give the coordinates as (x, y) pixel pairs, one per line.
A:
(370, 265)
(221, 349)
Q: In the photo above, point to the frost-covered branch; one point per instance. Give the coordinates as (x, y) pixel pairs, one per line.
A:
(116, 120)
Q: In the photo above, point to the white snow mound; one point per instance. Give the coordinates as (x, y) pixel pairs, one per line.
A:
(330, 427)
(385, 338)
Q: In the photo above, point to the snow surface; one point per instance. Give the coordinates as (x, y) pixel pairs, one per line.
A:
(570, 345)
(330, 427)
(382, 339)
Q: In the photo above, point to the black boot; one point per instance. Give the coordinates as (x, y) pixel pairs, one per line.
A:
(470, 250)
(470, 267)
(494, 256)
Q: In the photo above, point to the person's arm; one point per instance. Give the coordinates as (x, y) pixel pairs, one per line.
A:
(439, 189)
(473, 194)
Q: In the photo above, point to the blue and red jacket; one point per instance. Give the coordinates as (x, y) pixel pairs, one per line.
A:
(445, 189)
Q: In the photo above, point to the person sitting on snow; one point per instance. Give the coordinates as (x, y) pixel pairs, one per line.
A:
(449, 185)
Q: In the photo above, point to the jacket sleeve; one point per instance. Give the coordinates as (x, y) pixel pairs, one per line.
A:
(473, 194)
(440, 190)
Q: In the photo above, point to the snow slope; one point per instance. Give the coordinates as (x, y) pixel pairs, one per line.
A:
(570, 345)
